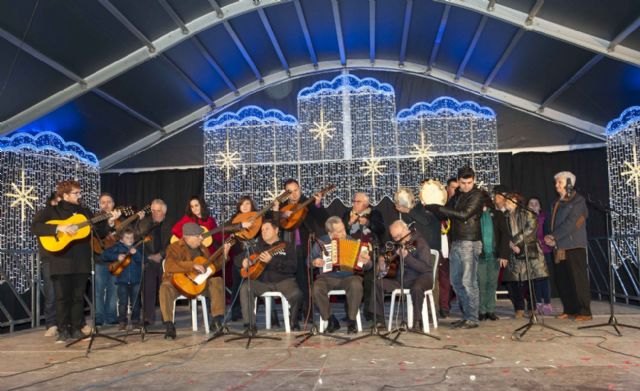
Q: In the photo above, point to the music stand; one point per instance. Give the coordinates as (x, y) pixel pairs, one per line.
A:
(533, 318)
(94, 330)
(313, 331)
(252, 332)
(613, 322)
(403, 327)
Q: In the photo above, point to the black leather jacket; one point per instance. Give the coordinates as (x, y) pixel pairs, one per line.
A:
(465, 215)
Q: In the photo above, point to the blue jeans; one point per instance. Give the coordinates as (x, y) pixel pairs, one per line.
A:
(105, 295)
(463, 272)
(129, 294)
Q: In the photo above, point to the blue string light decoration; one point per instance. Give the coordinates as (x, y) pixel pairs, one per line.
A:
(349, 134)
(623, 156)
(30, 167)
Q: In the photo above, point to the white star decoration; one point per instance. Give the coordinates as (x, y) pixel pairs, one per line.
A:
(271, 195)
(228, 159)
(22, 195)
(422, 151)
(322, 130)
(372, 167)
(633, 172)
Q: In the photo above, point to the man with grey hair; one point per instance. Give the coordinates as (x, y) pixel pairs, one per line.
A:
(568, 237)
(412, 249)
(157, 227)
(335, 278)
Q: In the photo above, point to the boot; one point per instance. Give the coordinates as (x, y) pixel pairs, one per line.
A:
(171, 330)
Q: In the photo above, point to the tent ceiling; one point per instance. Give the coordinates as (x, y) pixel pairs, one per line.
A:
(119, 76)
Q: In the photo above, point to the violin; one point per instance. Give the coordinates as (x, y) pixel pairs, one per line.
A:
(116, 268)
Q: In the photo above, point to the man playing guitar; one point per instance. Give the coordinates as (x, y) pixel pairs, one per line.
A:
(278, 275)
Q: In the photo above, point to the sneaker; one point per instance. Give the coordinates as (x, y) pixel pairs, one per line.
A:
(547, 309)
(51, 332)
(62, 336)
(539, 308)
(519, 314)
(469, 325)
(86, 329)
(457, 324)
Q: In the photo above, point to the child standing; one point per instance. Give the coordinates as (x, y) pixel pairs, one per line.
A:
(128, 282)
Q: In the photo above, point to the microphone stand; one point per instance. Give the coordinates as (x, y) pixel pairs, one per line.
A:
(533, 318)
(313, 332)
(252, 334)
(374, 331)
(94, 330)
(613, 322)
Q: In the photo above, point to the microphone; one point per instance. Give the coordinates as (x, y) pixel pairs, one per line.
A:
(569, 188)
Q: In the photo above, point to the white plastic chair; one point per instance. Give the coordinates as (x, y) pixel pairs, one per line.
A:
(429, 294)
(268, 296)
(194, 309)
(324, 323)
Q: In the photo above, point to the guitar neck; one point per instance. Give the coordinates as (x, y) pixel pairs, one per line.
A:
(126, 223)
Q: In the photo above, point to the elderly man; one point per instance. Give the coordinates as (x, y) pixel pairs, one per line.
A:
(414, 250)
(568, 237)
(159, 229)
(337, 279)
(180, 259)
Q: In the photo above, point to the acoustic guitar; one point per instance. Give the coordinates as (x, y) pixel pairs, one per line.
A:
(99, 245)
(192, 284)
(255, 217)
(256, 266)
(61, 240)
(299, 211)
(117, 267)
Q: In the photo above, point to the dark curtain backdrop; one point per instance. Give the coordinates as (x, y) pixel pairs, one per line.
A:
(529, 173)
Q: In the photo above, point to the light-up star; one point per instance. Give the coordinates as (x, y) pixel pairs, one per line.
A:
(422, 151)
(228, 159)
(322, 130)
(22, 195)
(633, 172)
(372, 167)
(271, 195)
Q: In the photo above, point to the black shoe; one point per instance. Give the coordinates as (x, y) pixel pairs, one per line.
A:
(417, 325)
(352, 328)
(469, 325)
(171, 331)
(457, 324)
(334, 325)
(63, 335)
(77, 334)
(216, 324)
(444, 314)
(295, 326)
(491, 316)
(482, 317)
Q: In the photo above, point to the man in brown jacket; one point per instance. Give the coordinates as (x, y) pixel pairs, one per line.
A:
(180, 256)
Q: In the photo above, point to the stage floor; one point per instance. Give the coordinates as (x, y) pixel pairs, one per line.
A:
(482, 358)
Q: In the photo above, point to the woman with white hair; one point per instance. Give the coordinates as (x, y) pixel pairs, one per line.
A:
(568, 238)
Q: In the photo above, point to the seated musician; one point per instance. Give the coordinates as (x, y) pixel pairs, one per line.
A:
(336, 279)
(418, 270)
(279, 275)
(180, 256)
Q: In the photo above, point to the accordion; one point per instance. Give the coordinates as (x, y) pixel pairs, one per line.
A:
(343, 254)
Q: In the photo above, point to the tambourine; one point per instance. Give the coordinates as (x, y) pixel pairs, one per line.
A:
(433, 192)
